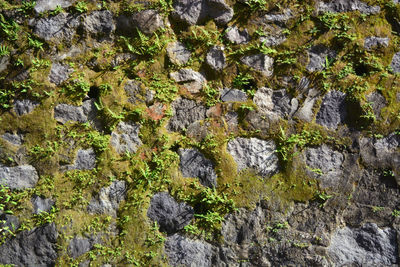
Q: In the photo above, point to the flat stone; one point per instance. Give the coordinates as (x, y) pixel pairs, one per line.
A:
(19, 177)
(41, 204)
(374, 42)
(59, 73)
(50, 5)
(126, 137)
(15, 139)
(177, 53)
(85, 160)
(185, 112)
(170, 215)
(333, 110)
(194, 164)
(317, 55)
(99, 22)
(236, 36)
(255, 154)
(346, 6)
(64, 112)
(233, 95)
(216, 58)
(25, 106)
(108, 199)
(192, 80)
(259, 62)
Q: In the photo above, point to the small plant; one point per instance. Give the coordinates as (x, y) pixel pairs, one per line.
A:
(9, 29)
(211, 95)
(79, 87)
(39, 64)
(257, 4)
(4, 50)
(27, 6)
(322, 197)
(396, 213)
(35, 44)
(57, 10)
(377, 209)
(81, 7)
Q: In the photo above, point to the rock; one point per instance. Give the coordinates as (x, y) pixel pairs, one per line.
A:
(333, 110)
(25, 106)
(99, 22)
(8, 223)
(50, 5)
(198, 130)
(182, 251)
(255, 154)
(325, 165)
(64, 112)
(378, 102)
(274, 103)
(15, 139)
(41, 204)
(373, 42)
(138, 93)
(185, 112)
(170, 215)
(126, 137)
(147, 21)
(85, 160)
(192, 80)
(37, 247)
(108, 199)
(259, 62)
(177, 53)
(395, 64)
(19, 177)
(194, 164)
(192, 12)
(59, 28)
(59, 73)
(318, 55)
(368, 245)
(236, 36)
(346, 6)
(80, 245)
(122, 58)
(216, 58)
(233, 95)
(279, 18)
(306, 113)
(4, 62)
(232, 120)
(272, 40)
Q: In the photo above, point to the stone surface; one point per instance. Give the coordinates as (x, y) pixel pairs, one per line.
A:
(37, 247)
(305, 112)
(185, 112)
(255, 154)
(182, 251)
(25, 106)
(177, 53)
(108, 199)
(259, 62)
(333, 110)
(279, 18)
(50, 5)
(395, 64)
(59, 28)
(378, 102)
(59, 73)
(374, 42)
(347, 5)
(4, 62)
(138, 93)
(8, 223)
(236, 36)
(80, 245)
(317, 55)
(64, 112)
(19, 177)
(85, 160)
(41, 204)
(99, 22)
(125, 138)
(229, 95)
(194, 164)
(274, 103)
(192, 80)
(146, 21)
(15, 138)
(368, 245)
(216, 58)
(170, 215)
(272, 40)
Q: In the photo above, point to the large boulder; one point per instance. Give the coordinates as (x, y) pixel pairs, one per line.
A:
(108, 199)
(125, 138)
(19, 177)
(333, 111)
(185, 112)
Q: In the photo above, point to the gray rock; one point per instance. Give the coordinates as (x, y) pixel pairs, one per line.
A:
(37, 247)
(15, 139)
(259, 62)
(19, 177)
(333, 110)
(198, 130)
(8, 223)
(185, 112)
(216, 58)
(25, 106)
(99, 22)
(318, 55)
(255, 154)
(192, 80)
(182, 251)
(126, 137)
(79, 246)
(378, 102)
(50, 5)
(170, 215)
(85, 160)
(325, 165)
(122, 58)
(64, 112)
(346, 6)
(108, 199)
(395, 64)
(279, 18)
(305, 112)
(147, 21)
(59, 28)
(41, 204)
(368, 245)
(273, 40)
(177, 53)
(194, 164)
(4, 62)
(59, 73)
(373, 42)
(236, 36)
(194, 12)
(233, 95)
(138, 93)
(275, 103)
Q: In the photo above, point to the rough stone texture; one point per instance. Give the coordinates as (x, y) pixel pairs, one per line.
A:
(85, 160)
(137, 93)
(59, 73)
(59, 28)
(333, 110)
(182, 251)
(37, 247)
(4, 62)
(305, 112)
(170, 215)
(279, 18)
(194, 164)
(192, 80)
(378, 102)
(8, 223)
(185, 112)
(259, 62)
(64, 112)
(275, 103)
(108, 199)
(41, 204)
(236, 36)
(177, 53)
(19, 177)
(368, 245)
(272, 40)
(147, 21)
(347, 5)
(25, 106)
(255, 154)
(99, 22)
(126, 137)
(395, 64)
(15, 139)
(318, 55)
(373, 42)
(216, 58)
(194, 12)
(80, 245)
(49, 5)
(228, 95)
